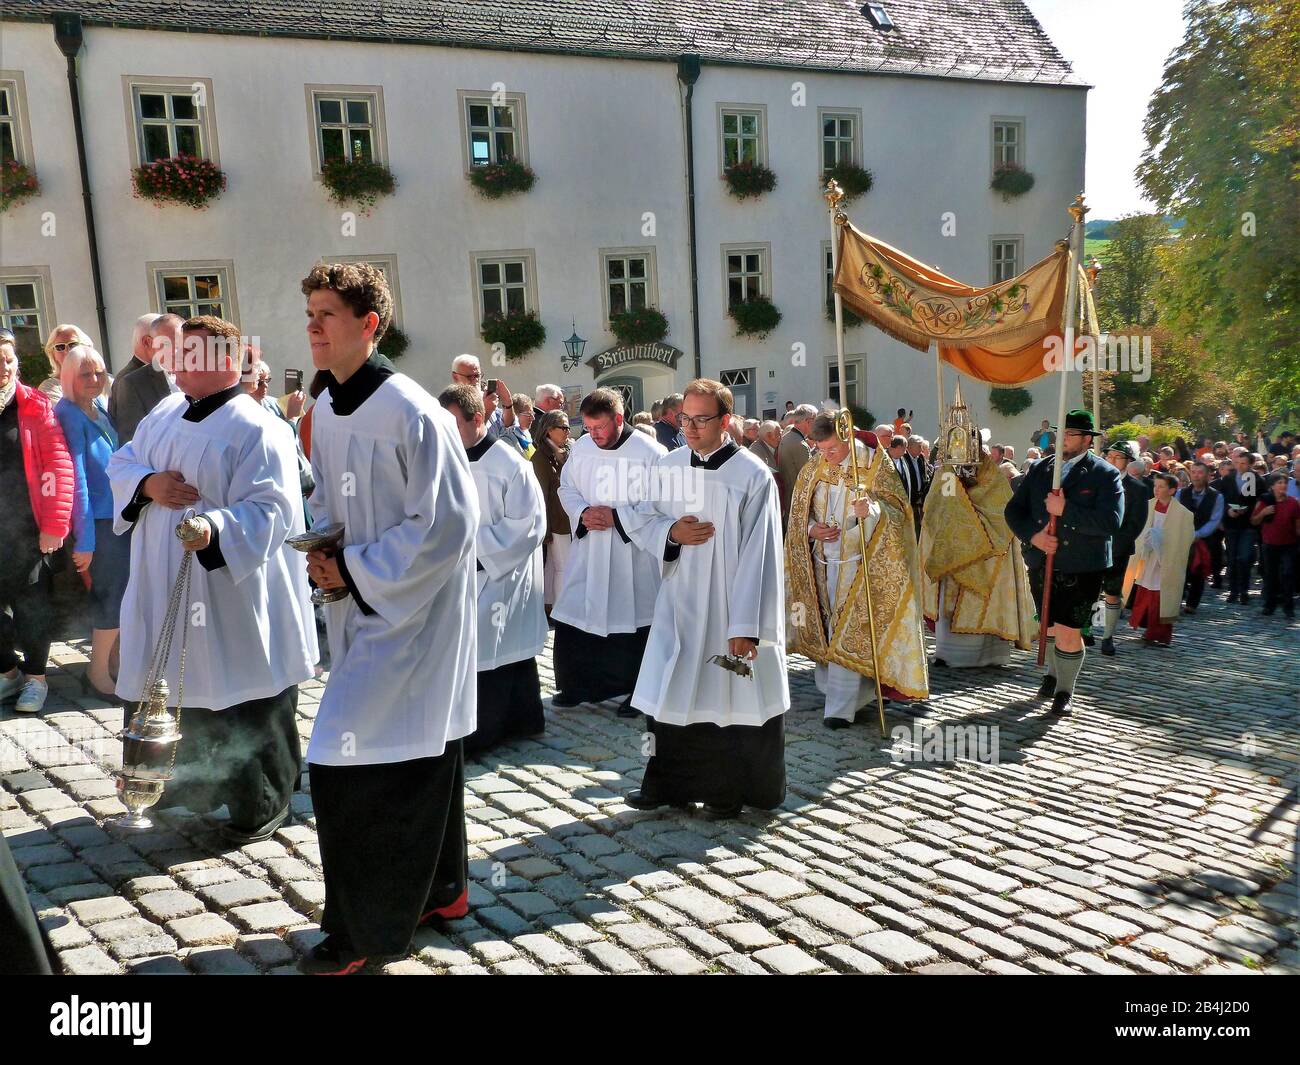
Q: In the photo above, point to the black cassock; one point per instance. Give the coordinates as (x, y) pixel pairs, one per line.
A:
(404, 821)
(247, 757)
(24, 948)
(704, 762)
(509, 705)
(591, 668)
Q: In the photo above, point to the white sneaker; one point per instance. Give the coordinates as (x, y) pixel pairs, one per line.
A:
(9, 686)
(32, 697)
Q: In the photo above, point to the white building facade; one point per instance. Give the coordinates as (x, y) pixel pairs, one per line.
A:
(608, 221)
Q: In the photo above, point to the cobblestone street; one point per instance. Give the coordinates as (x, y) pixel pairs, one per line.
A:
(1150, 832)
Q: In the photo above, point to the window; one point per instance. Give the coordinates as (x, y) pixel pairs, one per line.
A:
(386, 265)
(26, 308)
(505, 282)
(830, 270)
(1005, 258)
(878, 16)
(746, 268)
(839, 137)
(1008, 142)
(493, 127)
(742, 134)
(15, 136)
(628, 277)
(347, 122)
(852, 377)
(170, 117)
(191, 289)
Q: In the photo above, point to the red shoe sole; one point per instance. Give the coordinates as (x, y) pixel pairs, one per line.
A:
(450, 912)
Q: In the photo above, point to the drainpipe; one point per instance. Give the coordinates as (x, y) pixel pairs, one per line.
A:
(688, 72)
(68, 36)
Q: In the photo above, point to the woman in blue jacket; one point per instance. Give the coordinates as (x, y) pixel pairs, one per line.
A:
(98, 553)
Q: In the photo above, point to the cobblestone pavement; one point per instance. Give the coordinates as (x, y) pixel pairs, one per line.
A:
(1148, 833)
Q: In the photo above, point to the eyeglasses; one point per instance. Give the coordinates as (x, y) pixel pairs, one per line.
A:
(475, 376)
(699, 420)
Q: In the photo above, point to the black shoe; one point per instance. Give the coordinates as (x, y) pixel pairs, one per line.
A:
(562, 702)
(836, 722)
(1108, 646)
(724, 813)
(1060, 703)
(625, 708)
(1232, 597)
(1189, 610)
(1088, 641)
(242, 836)
(1245, 598)
(327, 958)
(638, 801)
(938, 663)
(1048, 688)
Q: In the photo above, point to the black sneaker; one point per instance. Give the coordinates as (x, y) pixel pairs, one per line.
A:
(1048, 688)
(1061, 703)
(1108, 646)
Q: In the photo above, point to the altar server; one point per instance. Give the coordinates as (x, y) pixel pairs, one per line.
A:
(607, 591)
(387, 769)
(511, 618)
(714, 521)
(249, 632)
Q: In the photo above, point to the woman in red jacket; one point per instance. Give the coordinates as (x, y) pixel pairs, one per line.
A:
(36, 486)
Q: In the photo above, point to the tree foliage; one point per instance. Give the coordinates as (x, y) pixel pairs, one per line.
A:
(1130, 271)
(1223, 152)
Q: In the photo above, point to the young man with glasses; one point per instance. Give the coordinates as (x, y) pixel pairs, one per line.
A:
(713, 680)
(1089, 510)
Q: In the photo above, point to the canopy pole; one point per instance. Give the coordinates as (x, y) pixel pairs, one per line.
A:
(938, 387)
(844, 430)
(1077, 211)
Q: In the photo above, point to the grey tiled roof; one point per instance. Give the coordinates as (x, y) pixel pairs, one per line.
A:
(984, 39)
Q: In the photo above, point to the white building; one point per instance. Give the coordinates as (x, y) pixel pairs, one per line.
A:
(593, 97)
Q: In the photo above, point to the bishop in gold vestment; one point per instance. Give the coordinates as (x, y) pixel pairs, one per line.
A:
(826, 590)
(974, 581)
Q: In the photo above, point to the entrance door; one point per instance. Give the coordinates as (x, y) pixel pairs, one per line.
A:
(743, 390)
(630, 389)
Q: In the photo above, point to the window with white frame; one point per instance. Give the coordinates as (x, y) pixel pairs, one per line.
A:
(746, 272)
(629, 280)
(505, 283)
(23, 311)
(493, 127)
(169, 122)
(346, 126)
(852, 377)
(1005, 258)
(15, 137)
(1008, 142)
(839, 139)
(742, 136)
(192, 289)
(830, 270)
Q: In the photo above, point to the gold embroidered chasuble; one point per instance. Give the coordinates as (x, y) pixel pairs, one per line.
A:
(816, 605)
(967, 548)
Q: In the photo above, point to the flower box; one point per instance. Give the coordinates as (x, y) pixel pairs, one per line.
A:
(506, 178)
(755, 317)
(183, 179)
(519, 332)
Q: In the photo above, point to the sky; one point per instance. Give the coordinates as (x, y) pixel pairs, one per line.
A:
(1119, 47)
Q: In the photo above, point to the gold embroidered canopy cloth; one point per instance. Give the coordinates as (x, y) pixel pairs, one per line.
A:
(996, 334)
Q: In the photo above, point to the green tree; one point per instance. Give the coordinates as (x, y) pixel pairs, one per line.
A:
(1126, 287)
(1222, 153)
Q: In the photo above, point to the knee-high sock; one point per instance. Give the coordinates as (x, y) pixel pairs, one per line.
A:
(1112, 619)
(1049, 659)
(1068, 664)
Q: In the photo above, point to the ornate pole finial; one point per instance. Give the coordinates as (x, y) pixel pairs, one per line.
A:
(1077, 209)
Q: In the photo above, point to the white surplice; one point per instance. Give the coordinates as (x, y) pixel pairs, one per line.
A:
(512, 526)
(609, 584)
(402, 677)
(251, 632)
(733, 585)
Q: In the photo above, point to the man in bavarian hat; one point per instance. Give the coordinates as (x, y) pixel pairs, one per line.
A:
(1089, 512)
(1136, 497)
